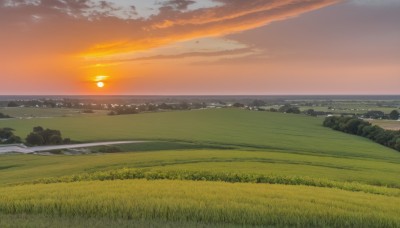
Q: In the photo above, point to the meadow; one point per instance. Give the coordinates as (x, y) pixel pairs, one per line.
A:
(220, 167)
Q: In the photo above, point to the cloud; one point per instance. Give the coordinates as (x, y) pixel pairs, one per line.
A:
(93, 29)
(189, 55)
(179, 4)
(376, 2)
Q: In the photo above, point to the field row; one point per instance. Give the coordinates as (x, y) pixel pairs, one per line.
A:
(231, 177)
(205, 202)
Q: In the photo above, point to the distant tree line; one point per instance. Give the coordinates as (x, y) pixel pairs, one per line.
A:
(356, 126)
(134, 109)
(312, 112)
(393, 115)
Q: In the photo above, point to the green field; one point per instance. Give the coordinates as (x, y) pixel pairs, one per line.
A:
(222, 167)
(231, 127)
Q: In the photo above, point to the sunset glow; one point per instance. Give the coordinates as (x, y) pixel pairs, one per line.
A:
(200, 47)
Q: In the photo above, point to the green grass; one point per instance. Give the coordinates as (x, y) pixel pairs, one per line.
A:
(204, 202)
(231, 127)
(157, 146)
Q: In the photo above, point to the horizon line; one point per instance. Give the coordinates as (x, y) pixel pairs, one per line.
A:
(198, 95)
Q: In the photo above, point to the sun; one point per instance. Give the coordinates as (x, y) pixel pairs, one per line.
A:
(100, 84)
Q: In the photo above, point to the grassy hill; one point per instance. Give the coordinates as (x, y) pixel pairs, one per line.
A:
(282, 169)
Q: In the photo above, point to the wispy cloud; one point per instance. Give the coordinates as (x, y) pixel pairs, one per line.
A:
(94, 29)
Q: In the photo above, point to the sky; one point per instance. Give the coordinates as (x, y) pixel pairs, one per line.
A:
(199, 47)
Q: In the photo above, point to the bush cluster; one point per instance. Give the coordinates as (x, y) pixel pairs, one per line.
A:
(363, 128)
(41, 136)
(7, 136)
(4, 116)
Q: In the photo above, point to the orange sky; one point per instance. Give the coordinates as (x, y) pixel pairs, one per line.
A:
(176, 47)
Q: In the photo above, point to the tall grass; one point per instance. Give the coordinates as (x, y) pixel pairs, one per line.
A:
(231, 177)
(204, 202)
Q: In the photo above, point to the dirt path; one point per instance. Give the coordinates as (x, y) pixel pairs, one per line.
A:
(26, 150)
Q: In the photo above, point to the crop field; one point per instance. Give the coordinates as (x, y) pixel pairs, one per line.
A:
(204, 203)
(387, 124)
(221, 167)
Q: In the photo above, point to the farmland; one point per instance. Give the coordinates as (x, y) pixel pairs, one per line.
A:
(203, 167)
(204, 202)
(387, 124)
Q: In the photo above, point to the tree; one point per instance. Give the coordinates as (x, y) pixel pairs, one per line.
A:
(257, 103)
(238, 105)
(7, 136)
(13, 139)
(287, 108)
(12, 104)
(4, 116)
(294, 110)
(310, 112)
(88, 111)
(34, 139)
(41, 136)
(48, 134)
(55, 139)
(394, 115)
(38, 129)
(332, 122)
(352, 125)
(397, 144)
(374, 115)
